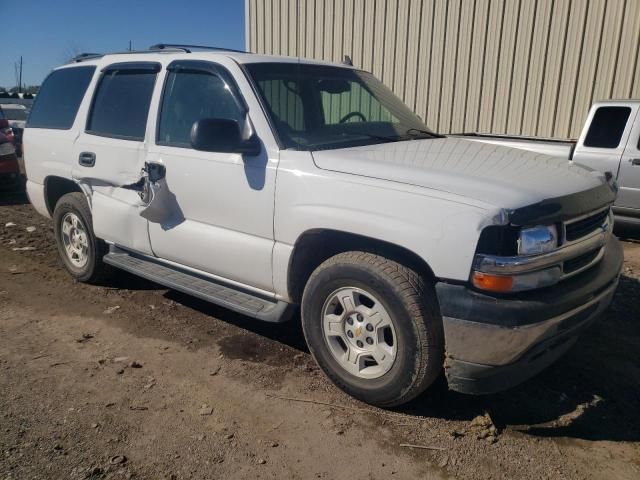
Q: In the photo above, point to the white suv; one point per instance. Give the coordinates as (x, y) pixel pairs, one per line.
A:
(264, 183)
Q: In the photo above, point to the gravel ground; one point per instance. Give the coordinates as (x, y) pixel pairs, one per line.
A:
(130, 380)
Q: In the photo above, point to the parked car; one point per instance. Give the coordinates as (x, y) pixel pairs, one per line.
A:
(6, 130)
(609, 142)
(267, 184)
(9, 168)
(17, 115)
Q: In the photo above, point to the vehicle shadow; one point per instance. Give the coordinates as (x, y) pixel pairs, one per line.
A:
(288, 333)
(591, 393)
(628, 233)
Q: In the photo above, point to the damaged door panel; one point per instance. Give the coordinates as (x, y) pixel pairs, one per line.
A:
(110, 153)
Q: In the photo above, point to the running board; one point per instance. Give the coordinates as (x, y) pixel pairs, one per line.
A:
(204, 288)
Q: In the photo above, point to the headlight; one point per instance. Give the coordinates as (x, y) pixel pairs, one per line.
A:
(533, 241)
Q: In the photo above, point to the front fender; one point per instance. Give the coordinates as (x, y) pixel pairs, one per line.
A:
(440, 230)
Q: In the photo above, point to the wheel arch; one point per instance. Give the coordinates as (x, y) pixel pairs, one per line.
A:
(55, 187)
(315, 246)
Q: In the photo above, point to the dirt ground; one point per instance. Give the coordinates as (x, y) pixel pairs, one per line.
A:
(130, 380)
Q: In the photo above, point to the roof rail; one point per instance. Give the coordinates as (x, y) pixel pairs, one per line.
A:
(168, 47)
(81, 57)
(189, 48)
(91, 56)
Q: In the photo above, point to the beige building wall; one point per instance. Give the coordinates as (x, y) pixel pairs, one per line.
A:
(517, 67)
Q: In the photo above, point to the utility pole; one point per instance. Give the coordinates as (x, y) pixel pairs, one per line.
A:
(20, 78)
(129, 45)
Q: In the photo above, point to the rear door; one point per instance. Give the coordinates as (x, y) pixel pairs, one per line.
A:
(629, 176)
(110, 152)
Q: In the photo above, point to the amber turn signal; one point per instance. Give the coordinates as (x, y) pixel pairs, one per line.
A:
(492, 283)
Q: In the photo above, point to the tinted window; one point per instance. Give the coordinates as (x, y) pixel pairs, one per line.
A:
(354, 104)
(607, 127)
(318, 107)
(283, 99)
(190, 96)
(15, 113)
(121, 103)
(57, 103)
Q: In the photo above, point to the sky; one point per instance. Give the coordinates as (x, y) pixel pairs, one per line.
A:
(49, 32)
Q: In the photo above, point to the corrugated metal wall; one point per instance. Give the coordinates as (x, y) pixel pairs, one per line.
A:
(519, 67)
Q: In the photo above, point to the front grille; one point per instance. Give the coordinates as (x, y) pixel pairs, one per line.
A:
(580, 261)
(585, 226)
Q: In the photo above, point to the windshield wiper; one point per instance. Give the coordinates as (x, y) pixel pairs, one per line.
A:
(376, 137)
(416, 132)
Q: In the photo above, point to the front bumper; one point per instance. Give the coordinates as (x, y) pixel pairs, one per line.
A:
(494, 343)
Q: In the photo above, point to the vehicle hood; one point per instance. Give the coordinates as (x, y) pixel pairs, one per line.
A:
(504, 177)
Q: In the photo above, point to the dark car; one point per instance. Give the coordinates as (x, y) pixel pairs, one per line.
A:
(16, 115)
(5, 128)
(9, 168)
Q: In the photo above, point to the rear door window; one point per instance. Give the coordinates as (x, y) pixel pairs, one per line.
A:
(607, 127)
(59, 98)
(122, 99)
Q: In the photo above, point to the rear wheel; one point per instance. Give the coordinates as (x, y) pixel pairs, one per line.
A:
(80, 250)
(374, 327)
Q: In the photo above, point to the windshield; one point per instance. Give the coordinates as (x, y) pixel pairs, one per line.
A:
(317, 107)
(14, 113)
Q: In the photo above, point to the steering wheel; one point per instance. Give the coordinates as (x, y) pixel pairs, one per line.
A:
(348, 116)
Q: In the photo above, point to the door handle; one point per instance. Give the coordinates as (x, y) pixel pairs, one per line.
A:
(635, 161)
(87, 159)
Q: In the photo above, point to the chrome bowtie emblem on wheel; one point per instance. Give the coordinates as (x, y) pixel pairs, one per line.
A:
(359, 332)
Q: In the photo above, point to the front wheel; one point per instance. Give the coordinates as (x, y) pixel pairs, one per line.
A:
(80, 250)
(374, 328)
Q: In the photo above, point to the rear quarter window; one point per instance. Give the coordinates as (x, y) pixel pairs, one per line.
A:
(607, 127)
(59, 98)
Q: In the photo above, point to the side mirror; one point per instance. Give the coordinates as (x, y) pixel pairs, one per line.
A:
(222, 135)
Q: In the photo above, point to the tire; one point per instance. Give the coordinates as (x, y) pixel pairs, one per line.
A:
(71, 208)
(406, 300)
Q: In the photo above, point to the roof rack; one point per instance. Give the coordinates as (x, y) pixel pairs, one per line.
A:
(81, 57)
(189, 48)
(159, 47)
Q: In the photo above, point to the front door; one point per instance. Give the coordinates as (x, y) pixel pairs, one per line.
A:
(629, 175)
(215, 210)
